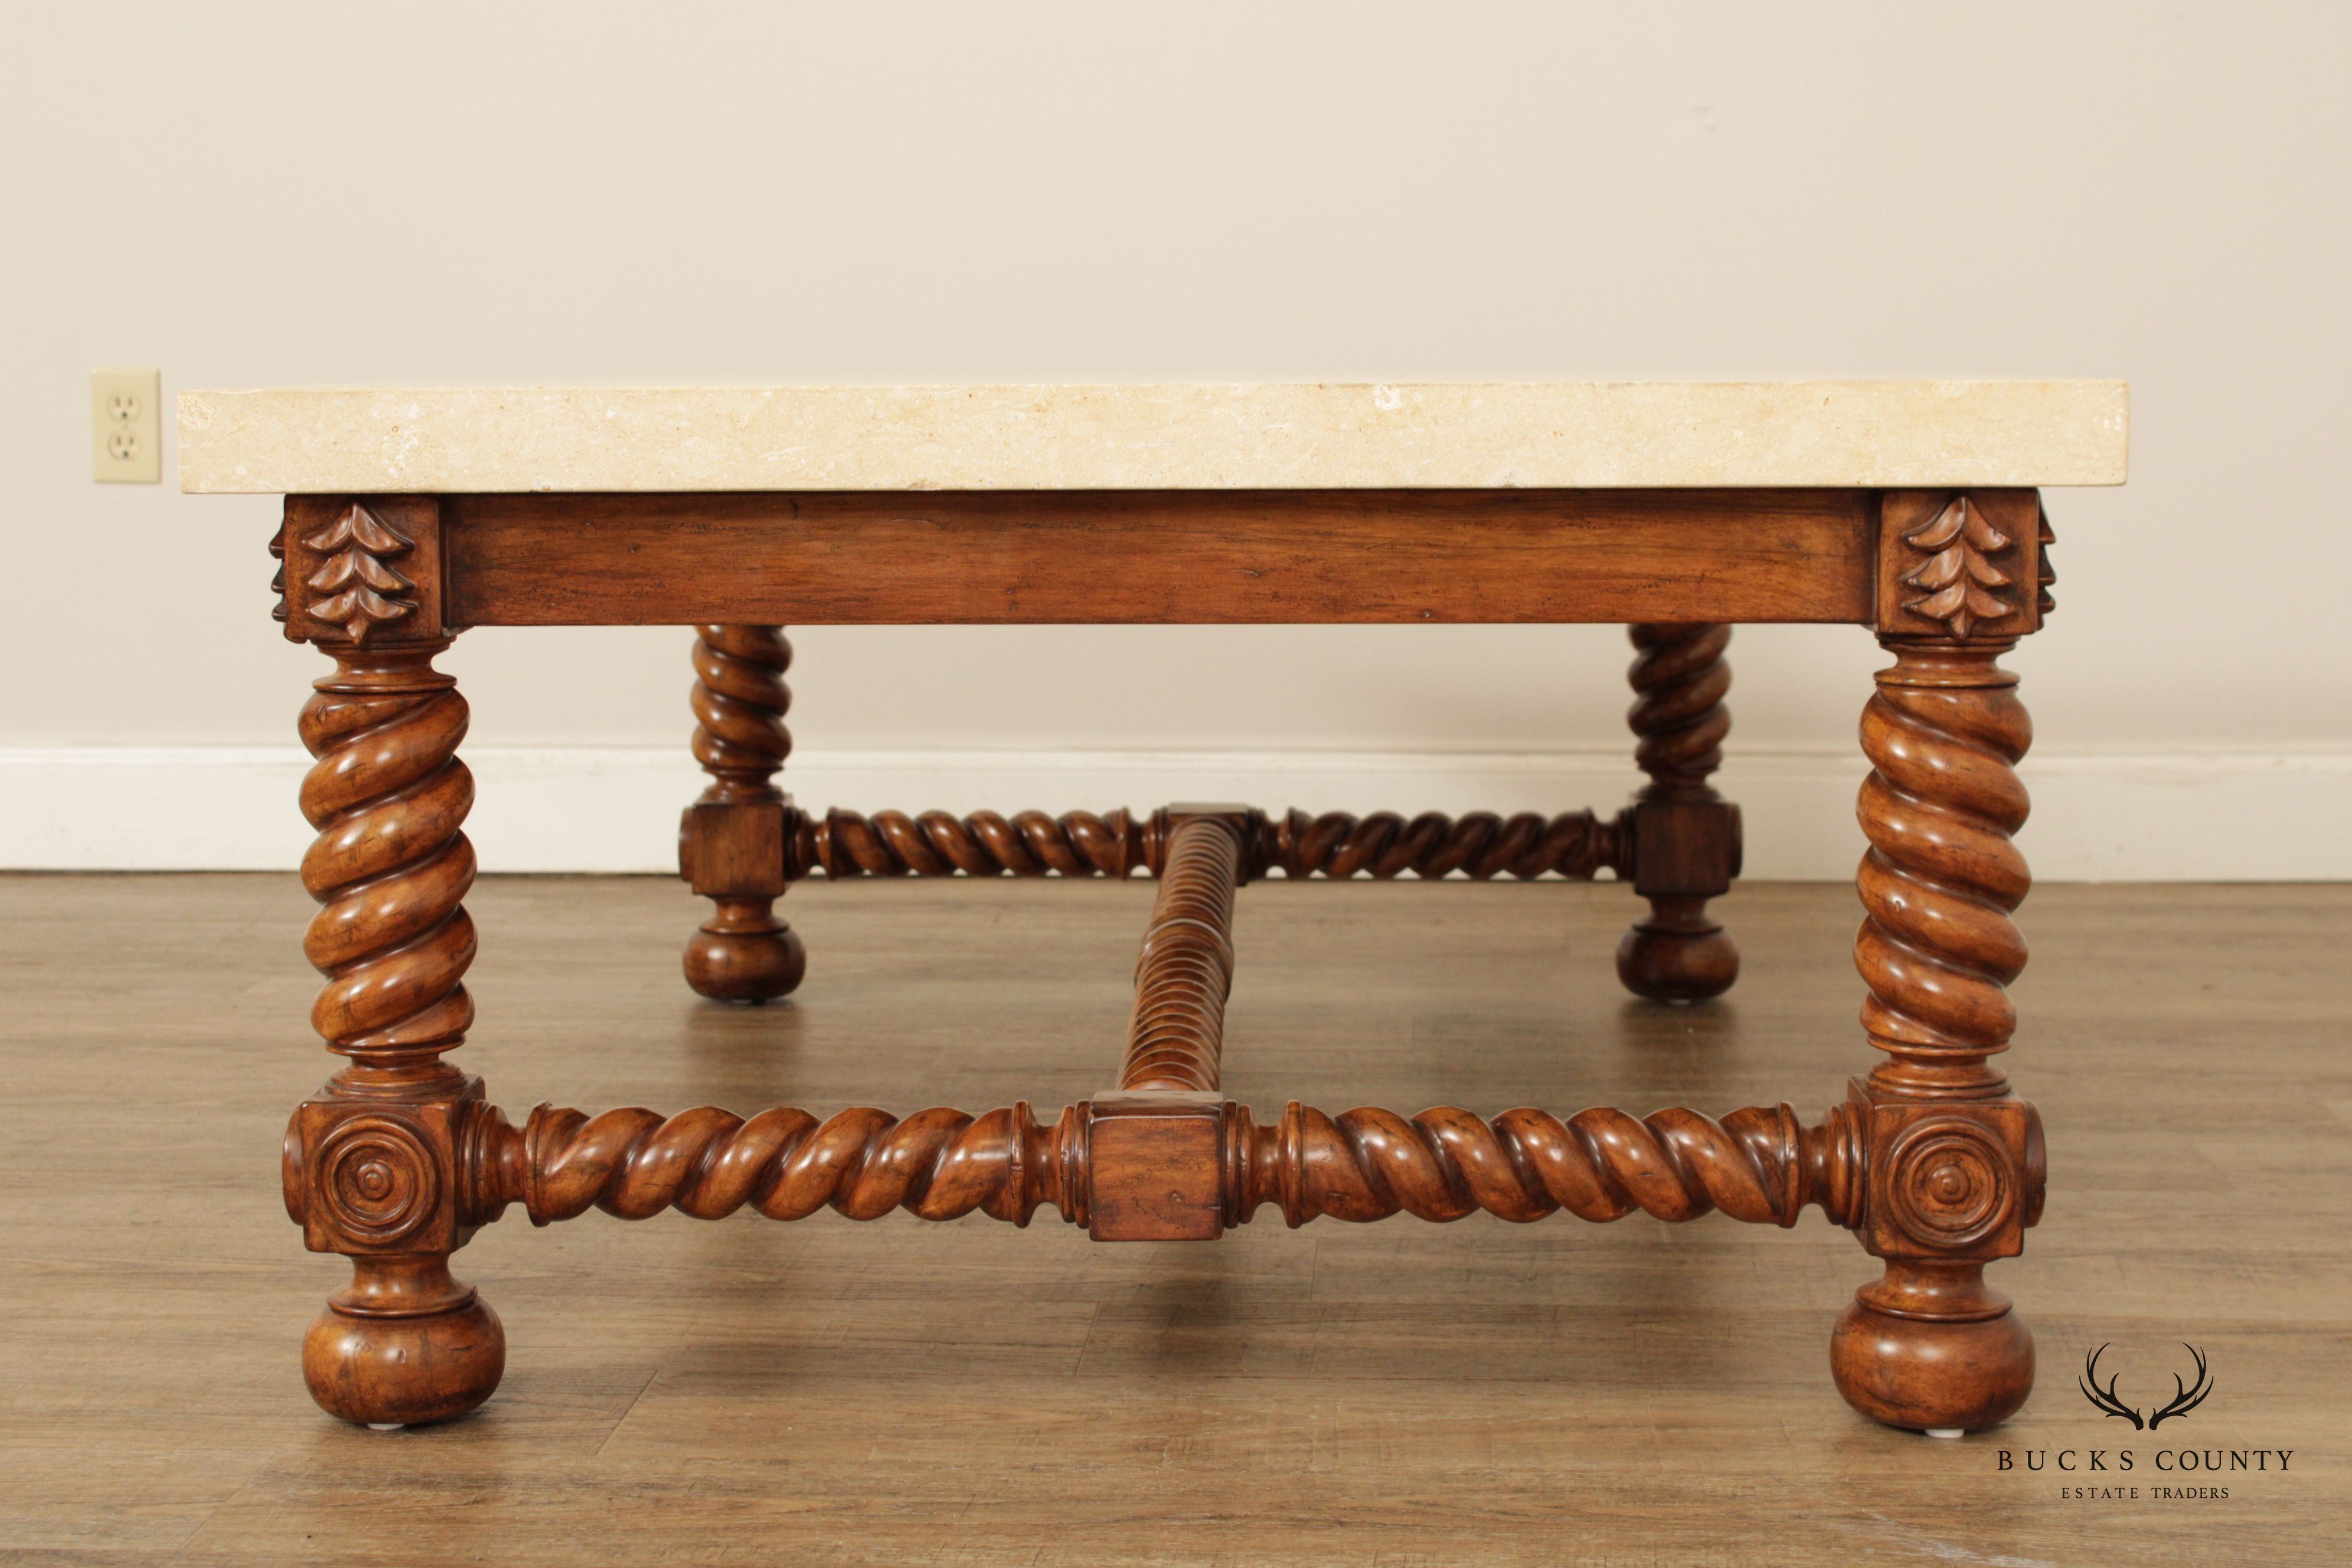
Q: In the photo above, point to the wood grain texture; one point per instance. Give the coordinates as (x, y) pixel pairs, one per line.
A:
(901, 1392)
(1130, 557)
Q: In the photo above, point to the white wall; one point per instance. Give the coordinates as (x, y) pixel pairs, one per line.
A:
(252, 194)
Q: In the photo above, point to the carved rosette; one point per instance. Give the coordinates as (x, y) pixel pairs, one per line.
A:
(376, 1177)
(370, 1176)
(1949, 1182)
(1952, 1183)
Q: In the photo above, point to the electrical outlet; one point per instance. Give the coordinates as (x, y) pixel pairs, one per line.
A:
(126, 426)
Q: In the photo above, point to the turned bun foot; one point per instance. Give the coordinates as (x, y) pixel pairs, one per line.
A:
(1941, 1375)
(1677, 958)
(379, 1370)
(756, 965)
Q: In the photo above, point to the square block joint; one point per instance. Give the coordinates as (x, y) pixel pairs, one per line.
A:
(1156, 1166)
(383, 1176)
(1950, 1180)
(1684, 848)
(733, 849)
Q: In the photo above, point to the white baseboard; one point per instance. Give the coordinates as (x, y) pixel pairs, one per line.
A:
(2229, 816)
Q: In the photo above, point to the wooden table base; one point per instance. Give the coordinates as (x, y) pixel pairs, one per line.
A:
(1929, 1159)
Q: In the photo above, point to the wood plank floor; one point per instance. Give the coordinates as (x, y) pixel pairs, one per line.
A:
(1400, 1393)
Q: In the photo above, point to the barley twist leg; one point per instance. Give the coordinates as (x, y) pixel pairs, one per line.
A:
(985, 844)
(1480, 844)
(1175, 1036)
(1756, 1164)
(1685, 838)
(372, 1160)
(732, 843)
(1956, 1161)
(937, 1164)
(1384, 843)
(1759, 1165)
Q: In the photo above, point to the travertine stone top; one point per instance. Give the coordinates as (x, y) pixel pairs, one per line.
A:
(1585, 435)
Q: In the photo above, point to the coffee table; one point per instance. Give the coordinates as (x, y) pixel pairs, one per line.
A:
(1911, 509)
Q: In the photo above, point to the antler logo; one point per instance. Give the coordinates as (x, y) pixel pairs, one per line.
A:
(2184, 1399)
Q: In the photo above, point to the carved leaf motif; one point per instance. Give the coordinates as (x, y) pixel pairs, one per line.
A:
(341, 569)
(2048, 574)
(358, 525)
(1957, 577)
(362, 585)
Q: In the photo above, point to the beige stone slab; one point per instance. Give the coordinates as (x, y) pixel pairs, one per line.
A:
(1597, 435)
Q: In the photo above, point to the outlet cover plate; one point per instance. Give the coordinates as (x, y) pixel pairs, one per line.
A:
(126, 426)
